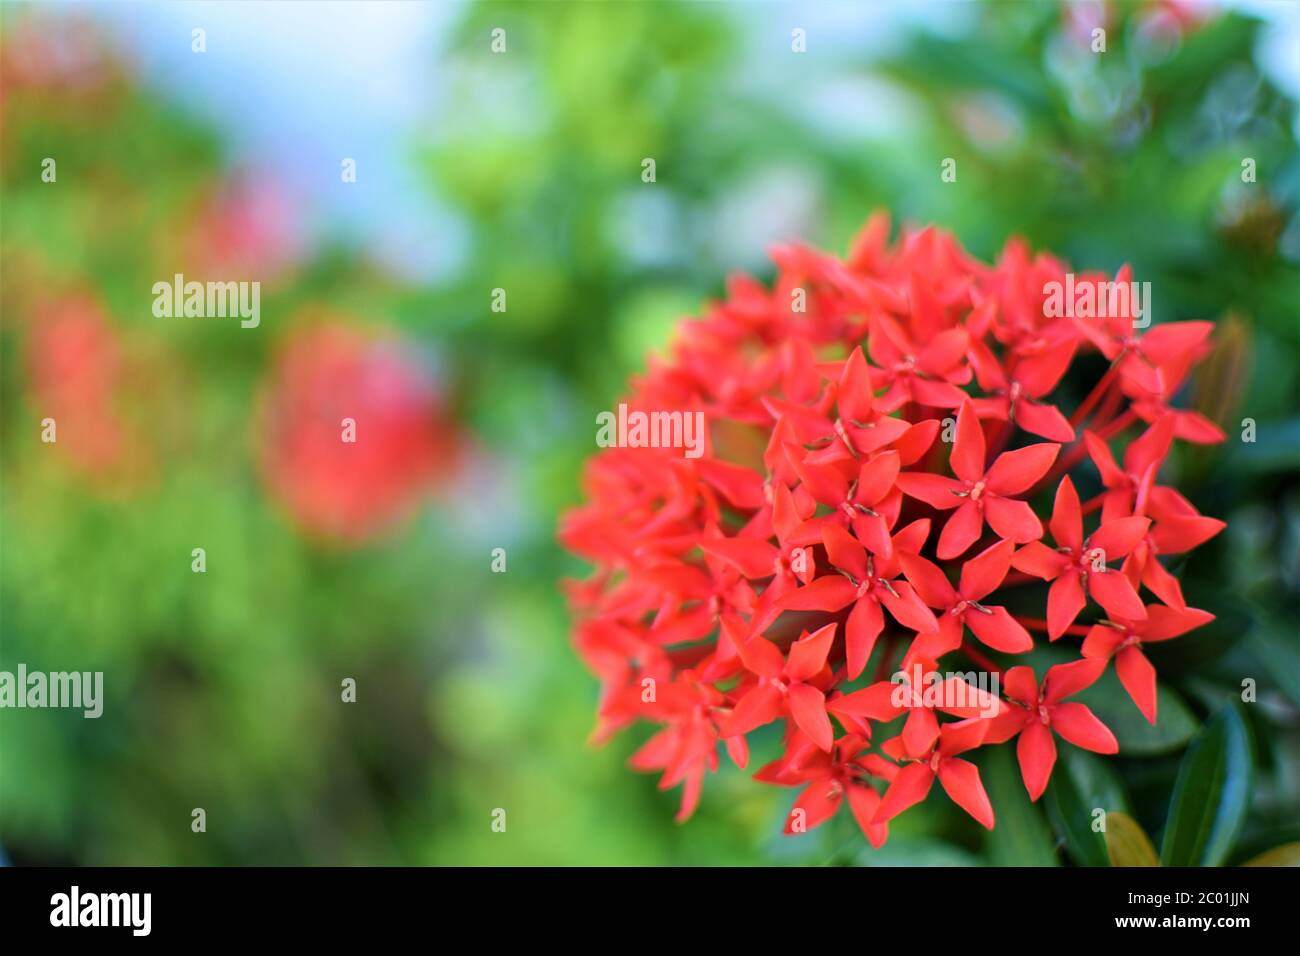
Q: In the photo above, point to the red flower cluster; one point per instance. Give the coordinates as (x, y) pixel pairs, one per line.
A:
(351, 433)
(81, 380)
(864, 492)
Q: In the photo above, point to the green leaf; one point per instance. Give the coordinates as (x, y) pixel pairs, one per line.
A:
(1288, 854)
(1082, 785)
(1175, 724)
(1275, 644)
(916, 851)
(1276, 448)
(1127, 844)
(1212, 794)
(1020, 837)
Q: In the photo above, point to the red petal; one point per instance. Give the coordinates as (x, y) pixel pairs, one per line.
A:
(963, 699)
(694, 785)
(819, 801)
(864, 626)
(961, 781)
(937, 394)
(1037, 752)
(828, 593)
(1046, 421)
(873, 531)
(877, 477)
(944, 351)
(1112, 590)
(909, 788)
(1151, 447)
(873, 703)
(808, 655)
(1118, 537)
(961, 530)
(864, 802)
(854, 397)
(963, 735)
(1066, 679)
(762, 657)
(1111, 474)
(1012, 519)
(1039, 560)
(785, 514)
(908, 609)
(1174, 535)
(912, 538)
(988, 370)
(1080, 726)
(826, 482)
(1173, 340)
(1067, 517)
(878, 433)
(808, 708)
(738, 751)
(1000, 631)
(752, 557)
(1197, 429)
(1017, 471)
(844, 551)
(1159, 581)
(1102, 641)
(1065, 599)
(930, 582)
(982, 574)
(916, 441)
(739, 485)
(1139, 679)
(1040, 372)
(920, 731)
(1166, 622)
(935, 490)
(967, 460)
(656, 752)
(760, 706)
(1021, 684)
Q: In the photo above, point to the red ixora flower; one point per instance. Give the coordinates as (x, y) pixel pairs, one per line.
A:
(83, 382)
(867, 494)
(350, 432)
(1036, 712)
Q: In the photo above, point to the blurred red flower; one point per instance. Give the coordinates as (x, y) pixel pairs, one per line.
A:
(247, 229)
(77, 372)
(351, 431)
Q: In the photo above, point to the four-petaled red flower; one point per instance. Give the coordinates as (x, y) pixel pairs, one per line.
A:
(1036, 712)
(959, 778)
(1079, 563)
(982, 493)
(1123, 640)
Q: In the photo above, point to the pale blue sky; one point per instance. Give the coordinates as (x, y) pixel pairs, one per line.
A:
(296, 86)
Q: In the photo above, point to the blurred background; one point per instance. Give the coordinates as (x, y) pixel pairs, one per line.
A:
(521, 171)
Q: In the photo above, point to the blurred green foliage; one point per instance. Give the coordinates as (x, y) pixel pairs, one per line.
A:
(223, 689)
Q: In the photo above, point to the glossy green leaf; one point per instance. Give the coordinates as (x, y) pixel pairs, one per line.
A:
(1083, 789)
(1020, 836)
(1212, 794)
